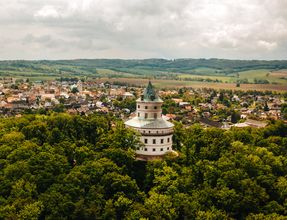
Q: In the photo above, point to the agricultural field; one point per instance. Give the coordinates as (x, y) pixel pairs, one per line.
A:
(264, 74)
(176, 84)
(112, 73)
(206, 71)
(281, 74)
(206, 77)
(213, 73)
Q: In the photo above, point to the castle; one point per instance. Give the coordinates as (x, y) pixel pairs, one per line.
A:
(156, 132)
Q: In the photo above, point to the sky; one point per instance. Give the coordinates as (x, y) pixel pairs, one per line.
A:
(137, 29)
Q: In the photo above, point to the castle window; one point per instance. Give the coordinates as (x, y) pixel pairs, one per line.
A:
(155, 107)
(168, 140)
(138, 148)
(138, 114)
(155, 115)
(168, 148)
(145, 149)
(161, 149)
(145, 107)
(153, 149)
(154, 141)
(161, 141)
(145, 141)
(145, 115)
(139, 106)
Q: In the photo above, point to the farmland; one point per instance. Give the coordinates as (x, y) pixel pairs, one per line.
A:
(211, 73)
(176, 84)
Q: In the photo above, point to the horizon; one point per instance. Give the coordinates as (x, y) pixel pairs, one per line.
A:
(130, 59)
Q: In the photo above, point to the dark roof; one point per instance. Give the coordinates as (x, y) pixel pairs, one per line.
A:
(210, 123)
(150, 93)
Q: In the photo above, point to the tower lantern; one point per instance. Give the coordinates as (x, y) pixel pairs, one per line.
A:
(156, 132)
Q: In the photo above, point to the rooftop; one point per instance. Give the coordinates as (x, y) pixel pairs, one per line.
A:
(150, 94)
(150, 124)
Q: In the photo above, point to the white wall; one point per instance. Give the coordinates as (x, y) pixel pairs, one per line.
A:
(149, 108)
(148, 148)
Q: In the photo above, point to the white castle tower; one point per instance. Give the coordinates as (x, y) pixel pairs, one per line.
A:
(80, 86)
(156, 132)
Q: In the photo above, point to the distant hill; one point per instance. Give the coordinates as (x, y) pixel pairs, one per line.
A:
(176, 65)
(194, 70)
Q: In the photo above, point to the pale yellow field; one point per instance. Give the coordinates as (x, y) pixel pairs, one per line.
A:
(177, 84)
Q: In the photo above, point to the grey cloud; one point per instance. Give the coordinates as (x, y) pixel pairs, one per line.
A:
(248, 29)
(48, 42)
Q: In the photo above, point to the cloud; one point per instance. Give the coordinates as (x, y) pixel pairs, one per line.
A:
(47, 11)
(246, 29)
(267, 45)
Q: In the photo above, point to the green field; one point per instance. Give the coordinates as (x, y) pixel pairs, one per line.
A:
(250, 75)
(206, 71)
(212, 77)
(113, 73)
(261, 74)
(184, 72)
(171, 84)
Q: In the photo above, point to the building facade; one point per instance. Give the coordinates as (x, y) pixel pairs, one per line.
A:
(156, 132)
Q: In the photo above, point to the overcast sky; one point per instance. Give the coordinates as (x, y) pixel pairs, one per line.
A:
(68, 29)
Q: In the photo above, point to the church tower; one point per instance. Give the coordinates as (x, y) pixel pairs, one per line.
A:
(80, 86)
(156, 132)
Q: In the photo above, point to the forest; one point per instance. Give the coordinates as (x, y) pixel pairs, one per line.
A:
(60, 166)
(181, 65)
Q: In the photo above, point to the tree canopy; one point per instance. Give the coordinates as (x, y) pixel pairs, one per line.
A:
(60, 166)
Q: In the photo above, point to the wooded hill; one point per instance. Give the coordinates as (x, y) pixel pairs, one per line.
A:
(175, 65)
(58, 166)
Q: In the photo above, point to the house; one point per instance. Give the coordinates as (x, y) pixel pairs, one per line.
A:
(251, 123)
(209, 123)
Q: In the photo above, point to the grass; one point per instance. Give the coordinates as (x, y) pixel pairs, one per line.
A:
(193, 84)
(105, 71)
(279, 73)
(205, 71)
(261, 74)
(113, 73)
(193, 76)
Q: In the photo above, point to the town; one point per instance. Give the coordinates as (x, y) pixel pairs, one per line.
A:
(209, 107)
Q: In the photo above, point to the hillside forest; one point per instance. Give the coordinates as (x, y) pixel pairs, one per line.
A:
(60, 166)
